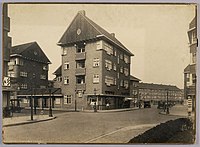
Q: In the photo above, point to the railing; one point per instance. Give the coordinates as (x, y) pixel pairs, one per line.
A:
(80, 56)
(80, 71)
(81, 86)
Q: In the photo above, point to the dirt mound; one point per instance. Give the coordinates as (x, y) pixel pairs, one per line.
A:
(169, 131)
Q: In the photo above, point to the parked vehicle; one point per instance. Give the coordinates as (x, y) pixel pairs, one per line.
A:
(147, 104)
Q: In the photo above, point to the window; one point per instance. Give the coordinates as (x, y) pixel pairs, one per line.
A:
(66, 65)
(108, 48)
(80, 94)
(21, 62)
(126, 84)
(96, 62)
(108, 64)
(121, 83)
(57, 101)
(23, 74)
(121, 56)
(114, 52)
(80, 79)
(126, 58)
(66, 80)
(121, 69)
(17, 61)
(59, 79)
(109, 80)
(99, 45)
(114, 67)
(188, 77)
(194, 37)
(45, 67)
(193, 78)
(24, 86)
(115, 81)
(194, 58)
(126, 71)
(67, 99)
(80, 64)
(95, 78)
(24, 100)
(80, 48)
(64, 51)
(118, 59)
(42, 77)
(118, 75)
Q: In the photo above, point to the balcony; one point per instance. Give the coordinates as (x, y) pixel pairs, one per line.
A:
(7, 23)
(81, 86)
(80, 56)
(80, 71)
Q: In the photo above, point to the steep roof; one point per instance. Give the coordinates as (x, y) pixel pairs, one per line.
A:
(132, 78)
(158, 86)
(190, 69)
(30, 51)
(87, 30)
(58, 71)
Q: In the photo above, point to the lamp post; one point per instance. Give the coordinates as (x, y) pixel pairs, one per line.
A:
(50, 100)
(95, 105)
(31, 103)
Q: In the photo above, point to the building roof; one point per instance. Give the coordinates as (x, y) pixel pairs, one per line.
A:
(158, 86)
(132, 78)
(190, 69)
(58, 71)
(193, 23)
(88, 30)
(30, 51)
(40, 91)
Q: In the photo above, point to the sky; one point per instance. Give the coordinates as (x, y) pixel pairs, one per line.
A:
(155, 34)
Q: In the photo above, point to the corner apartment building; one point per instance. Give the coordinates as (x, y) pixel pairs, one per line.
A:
(6, 86)
(28, 70)
(158, 92)
(95, 66)
(190, 70)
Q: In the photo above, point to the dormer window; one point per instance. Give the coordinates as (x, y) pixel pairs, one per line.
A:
(80, 48)
(45, 67)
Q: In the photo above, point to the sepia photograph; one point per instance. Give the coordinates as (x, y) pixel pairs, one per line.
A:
(91, 73)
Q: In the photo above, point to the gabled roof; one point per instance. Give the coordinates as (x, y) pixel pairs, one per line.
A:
(190, 69)
(30, 51)
(58, 71)
(132, 78)
(89, 30)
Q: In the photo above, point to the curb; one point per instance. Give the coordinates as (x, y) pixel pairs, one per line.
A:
(108, 111)
(29, 122)
(172, 114)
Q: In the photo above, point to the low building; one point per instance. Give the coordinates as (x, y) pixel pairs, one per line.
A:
(158, 92)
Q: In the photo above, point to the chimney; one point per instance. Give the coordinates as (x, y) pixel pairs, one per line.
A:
(113, 34)
(82, 12)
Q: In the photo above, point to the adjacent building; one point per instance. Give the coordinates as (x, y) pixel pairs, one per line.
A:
(6, 85)
(158, 92)
(190, 70)
(95, 66)
(28, 70)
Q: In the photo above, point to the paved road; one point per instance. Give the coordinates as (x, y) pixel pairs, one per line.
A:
(79, 127)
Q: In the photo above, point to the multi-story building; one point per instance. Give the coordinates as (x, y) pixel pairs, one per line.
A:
(6, 86)
(28, 70)
(95, 66)
(158, 92)
(134, 91)
(190, 70)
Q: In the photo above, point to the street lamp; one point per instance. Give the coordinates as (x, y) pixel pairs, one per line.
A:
(50, 107)
(95, 105)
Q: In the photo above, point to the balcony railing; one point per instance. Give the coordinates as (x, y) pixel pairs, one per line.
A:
(80, 86)
(80, 71)
(80, 56)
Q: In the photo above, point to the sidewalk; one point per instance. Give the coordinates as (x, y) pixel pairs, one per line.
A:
(13, 121)
(111, 110)
(178, 110)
